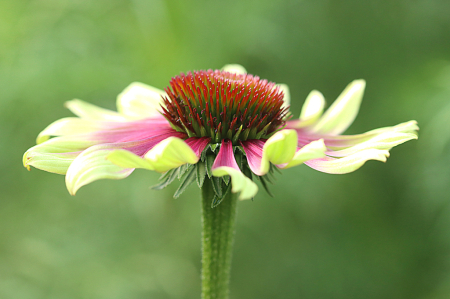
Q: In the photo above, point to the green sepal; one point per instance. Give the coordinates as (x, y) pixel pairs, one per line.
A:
(209, 164)
(217, 200)
(263, 179)
(183, 169)
(166, 179)
(217, 186)
(226, 179)
(201, 173)
(187, 179)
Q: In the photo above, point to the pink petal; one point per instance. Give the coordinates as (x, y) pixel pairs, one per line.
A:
(198, 144)
(225, 157)
(254, 150)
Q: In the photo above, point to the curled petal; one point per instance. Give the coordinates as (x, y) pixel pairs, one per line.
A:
(198, 144)
(225, 164)
(170, 153)
(383, 141)
(235, 68)
(278, 149)
(349, 163)
(313, 150)
(343, 111)
(88, 111)
(92, 165)
(139, 100)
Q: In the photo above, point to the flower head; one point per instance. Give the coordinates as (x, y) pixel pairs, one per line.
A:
(225, 124)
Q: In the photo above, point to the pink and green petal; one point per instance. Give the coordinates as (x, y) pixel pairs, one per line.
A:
(383, 141)
(170, 153)
(69, 126)
(349, 163)
(88, 111)
(314, 150)
(342, 112)
(225, 164)
(139, 101)
(311, 111)
(278, 149)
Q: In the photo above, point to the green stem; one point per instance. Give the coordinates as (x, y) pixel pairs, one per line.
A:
(218, 226)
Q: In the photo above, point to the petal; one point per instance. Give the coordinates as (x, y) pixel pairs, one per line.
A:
(55, 155)
(349, 163)
(88, 111)
(170, 153)
(69, 126)
(198, 144)
(313, 150)
(225, 164)
(384, 141)
(343, 111)
(139, 100)
(278, 149)
(287, 95)
(312, 109)
(91, 165)
(234, 68)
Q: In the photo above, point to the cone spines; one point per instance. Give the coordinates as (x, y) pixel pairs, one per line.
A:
(224, 105)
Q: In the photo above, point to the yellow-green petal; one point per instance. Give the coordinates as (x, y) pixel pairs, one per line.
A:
(170, 153)
(127, 159)
(139, 101)
(312, 108)
(92, 165)
(279, 149)
(287, 95)
(314, 150)
(349, 163)
(88, 111)
(234, 68)
(241, 184)
(343, 111)
(55, 155)
(68, 126)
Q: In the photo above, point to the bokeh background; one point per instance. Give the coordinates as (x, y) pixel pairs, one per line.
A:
(381, 232)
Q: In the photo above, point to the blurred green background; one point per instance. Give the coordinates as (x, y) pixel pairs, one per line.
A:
(381, 232)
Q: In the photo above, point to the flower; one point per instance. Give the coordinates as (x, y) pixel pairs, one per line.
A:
(222, 124)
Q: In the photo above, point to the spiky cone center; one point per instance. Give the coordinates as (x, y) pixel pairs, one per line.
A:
(223, 105)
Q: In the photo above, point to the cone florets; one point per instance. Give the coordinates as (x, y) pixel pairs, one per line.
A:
(224, 105)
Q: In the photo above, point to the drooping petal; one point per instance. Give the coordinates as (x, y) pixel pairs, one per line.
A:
(139, 100)
(349, 163)
(198, 144)
(172, 152)
(342, 112)
(92, 165)
(235, 68)
(56, 154)
(225, 164)
(314, 150)
(88, 111)
(383, 141)
(278, 149)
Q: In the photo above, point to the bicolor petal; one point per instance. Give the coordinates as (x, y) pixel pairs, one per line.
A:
(139, 101)
(225, 164)
(342, 112)
(314, 150)
(69, 126)
(278, 149)
(349, 163)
